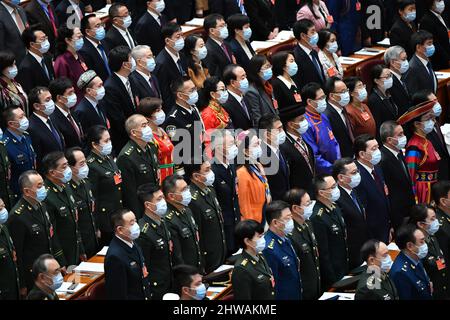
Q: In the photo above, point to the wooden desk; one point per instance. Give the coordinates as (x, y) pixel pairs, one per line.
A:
(350, 69)
(276, 45)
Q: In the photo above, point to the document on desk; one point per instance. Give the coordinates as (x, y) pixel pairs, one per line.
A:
(223, 268)
(350, 61)
(90, 267)
(369, 52)
(283, 36)
(103, 12)
(442, 75)
(260, 45)
(103, 251)
(340, 295)
(237, 252)
(385, 42)
(185, 28)
(195, 22)
(70, 287)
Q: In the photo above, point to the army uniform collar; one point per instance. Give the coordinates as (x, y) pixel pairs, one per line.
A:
(328, 209)
(445, 214)
(253, 259)
(175, 209)
(54, 186)
(203, 192)
(153, 222)
(98, 157)
(298, 226)
(35, 206)
(138, 147)
(75, 183)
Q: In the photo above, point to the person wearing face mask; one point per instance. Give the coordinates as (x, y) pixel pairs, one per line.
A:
(19, 149)
(441, 197)
(32, 236)
(347, 175)
(151, 108)
(155, 240)
(309, 67)
(404, 25)
(299, 154)
(328, 46)
(47, 276)
(252, 278)
(5, 176)
(239, 40)
(36, 69)
(207, 214)
(304, 242)
(219, 53)
(84, 200)
(396, 59)
(9, 276)
(408, 272)
(11, 92)
(422, 159)
(380, 102)
(62, 208)
(272, 158)
(120, 32)
(372, 190)
(43, 131)
(395, 171)
(64, 118)
(13, 20)
(330, 231)
(434, 21)
(68, 63)
(421, 75)
(319, 136)
(126, 274)
(424, 217)
(106, 180)
(285, 90)
(280, 253)
(146, 83)
(215, 116)
(180, 221)
(253, 188)
(88, 111)
(148, 27)
(196, 55)
(137, 161)
(375, 284)
(338, 100)
(188, 283)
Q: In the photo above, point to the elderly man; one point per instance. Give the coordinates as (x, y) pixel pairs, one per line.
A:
(146, 83)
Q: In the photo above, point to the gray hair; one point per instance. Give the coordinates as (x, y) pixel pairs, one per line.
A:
(138, 52)
(387, 130)
(393, 53)
(40, 265)
(25, 179)
(132, 122)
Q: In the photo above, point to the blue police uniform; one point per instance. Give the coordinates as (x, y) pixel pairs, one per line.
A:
(21, 155)
(410, 279)
(285, 265)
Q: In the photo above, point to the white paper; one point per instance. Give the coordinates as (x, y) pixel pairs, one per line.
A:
(185, 29)
(237, 252)
(348, 60)
(369, 52)
(65, 286)
(90, 267)
(283, 36)
(393, 247)
(442, 75)
(216, 289)
(223, 268)
(103, 12)
(342, 296)
(103, 251)
(385, 42)
(195, 22)
(258, 45)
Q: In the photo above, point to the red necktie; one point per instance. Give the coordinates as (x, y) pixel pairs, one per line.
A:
(74, 125)
(52, 20)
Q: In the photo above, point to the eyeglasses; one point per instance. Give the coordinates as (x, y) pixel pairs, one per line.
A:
(387, 77)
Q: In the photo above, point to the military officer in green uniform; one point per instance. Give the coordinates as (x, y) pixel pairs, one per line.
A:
(106, 181)
(374, 283)
(61, 206)
(330, 231)
(207, 214)
(155, 240)
(9, 198)
(47, 278)
(252, 278)
(181, 223)
(137, 161)
(84, 200)
(441, 197)
(31, 229)
(9, 275)
(304, 242)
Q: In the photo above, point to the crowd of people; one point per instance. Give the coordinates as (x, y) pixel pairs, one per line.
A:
(184, 153)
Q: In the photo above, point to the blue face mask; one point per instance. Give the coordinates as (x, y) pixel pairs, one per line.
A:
(200, 292)
(437, 109)
(308, 211)
(362, 95)
(23, 125)
(67, 175)
(135, 231)
(79, 44)
(71, 100)
(193, 98)
(314, 39)
(292, 69)
(133, 65)
(423, 251)
(106, 149)
(83, 172)
(223, 33)
(223, 97)
(100, 93)
(57, 281)
(202, 53)
(179, 44)
(1, 134)
(15, 2)
(429, 50)
(267, 74)
(333, 47)
(147, 134)
(410, 16)
(41, 194)
(3, 216)
(45, 46)
(12, 72)
(404, 66)
(428, 126)
(247, 33)
(100, 34)
(376, 157)
(127, 22)
(151, 64)
(321, 106)
(243, 85)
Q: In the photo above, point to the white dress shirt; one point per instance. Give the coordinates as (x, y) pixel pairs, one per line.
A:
(44, 120)
(125, 34)
(368, 169)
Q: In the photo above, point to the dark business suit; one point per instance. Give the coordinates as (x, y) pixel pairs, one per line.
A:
(432, 24)
(307, 72)
(340, 131)
(87, 115)
(167, 72)
(400, 35)
(10, 36)
(418, 77)
(374, 199)
(217, 59)
(400, 95)
(439, 145)
(64, 126)
(284, 96)
(286, 13)
(114, 39)
(241, 57)
(145, 88)
(124, 272)
(277, 172)
(94, 60)
(224, 7)
(258, 103)
(66, 14)
(237, 114)
(357, 229)
(382, 108)
(182, 10)
(148, 32)
(398, 181)
(118, 105)
(262, 19)
(31, 74)
(43, 139)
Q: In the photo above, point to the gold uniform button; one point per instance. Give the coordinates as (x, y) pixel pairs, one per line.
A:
(155, 284)
(120, 201)
(119, 188)
(103, 209)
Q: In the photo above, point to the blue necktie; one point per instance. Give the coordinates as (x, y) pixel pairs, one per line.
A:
(431, 72)
(45, 69)
(180, 68)
(55, 134)
(105, 60)
(353, 195)
(315, 61)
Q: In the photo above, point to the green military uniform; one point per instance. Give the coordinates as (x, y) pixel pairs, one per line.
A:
(84, 201)
(106, 181)
(331, 235)
(8, 197)
(252, 279)
(9, 275)
(33, 235)
(443, 234)
(435, 265)
(156, 244)
(208, 216)
(138, 167)
(373, 286)
(185, 237)
(37, 294)
(305, 245)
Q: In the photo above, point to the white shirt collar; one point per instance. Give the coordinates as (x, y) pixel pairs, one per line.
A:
(274, 150)
(307, 50)
(395, 153)
(439, 17)
(293, 137)
(130, 244)
(146, 77)
(366, 167)
(154, 15)
(9, 8)
(65, 113)
(286, 82)
(399, 76)
(338, 110)
(93, 102)
(122, 78)
(39, 59)
(425, 62)
(349, 191)
(122, 32)
(44, 120)
(216, 41)
(186, 109)
(237, 97)
(95, 44)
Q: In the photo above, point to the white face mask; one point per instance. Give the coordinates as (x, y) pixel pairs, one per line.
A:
(256, 153)
(281, 138)
(232, 152)
(288, 226)
(260, 245)
(160, 117)
(161, 208)
(308, 211)
(303, 127)
(210, 177)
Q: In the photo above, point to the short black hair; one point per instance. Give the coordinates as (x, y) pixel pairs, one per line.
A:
(145, 191)
(194, 166)
(85, 23)
(267, 121)
(421, 96)
(330, 85)
(253, 69)
(419, 38)
(369, 249)
(229, 73)
(339, 166)
(8, 113)
(178, 84)
(117, 217)
(169, 184)
(236, 21)
(309, 91)
(94, 134)
(117, 56)
(319, 183)
(49, 162)
(279, 61)
(246, 229)
(183, 276)
(63, 33)
(148, 106)
(33, 95)
(114, 9)
(169, 29)
(351, 83)
(294, 196)
(301, 26)
(402, 4)
(7, 58)
(58, 86)
(39, 265)
(405, 234)
(376, 72)
(209, 85)
(274, 210)
(70, 155)
(25, 179)
(360, 143)
(29, 35)
(324, 37)
(440, 190)
(418, 213)
(211, 21)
